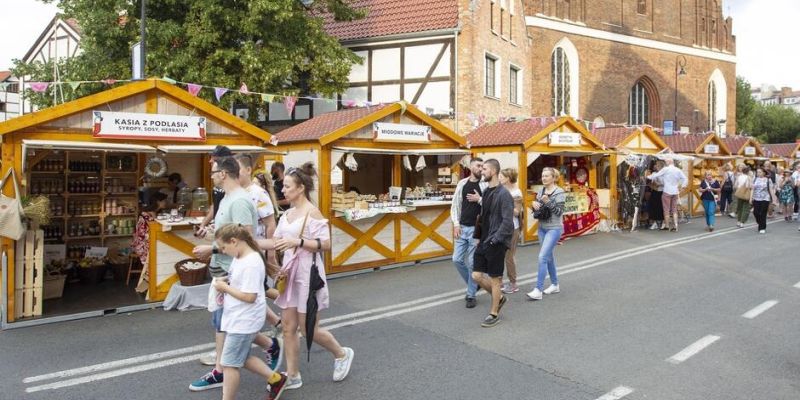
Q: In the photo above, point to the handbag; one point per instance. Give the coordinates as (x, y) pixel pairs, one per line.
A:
(280, 283)
(543, 213)
(11, 213)
(743, 192)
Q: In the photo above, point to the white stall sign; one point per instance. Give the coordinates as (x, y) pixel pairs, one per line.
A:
(565, 139)
(711, 149)
(404, 133)
(749, 151)
(118, 125)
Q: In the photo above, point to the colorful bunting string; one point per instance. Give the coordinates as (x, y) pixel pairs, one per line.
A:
(39, 87)
(289, 102)
(193, 89)
(219, 92)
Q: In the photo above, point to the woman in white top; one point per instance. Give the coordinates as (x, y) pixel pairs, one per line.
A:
(508, 178)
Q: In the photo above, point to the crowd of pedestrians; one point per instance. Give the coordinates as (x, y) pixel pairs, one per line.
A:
(250, 239)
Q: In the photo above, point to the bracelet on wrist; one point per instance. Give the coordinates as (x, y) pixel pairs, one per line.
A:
(302, 242)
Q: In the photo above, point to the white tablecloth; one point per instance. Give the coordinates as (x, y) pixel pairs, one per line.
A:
(184, 298)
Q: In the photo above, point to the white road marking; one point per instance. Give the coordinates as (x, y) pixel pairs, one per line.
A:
(759, 309)
(112, 374)
(693, 349)
(616, 394)
(120, 363)
(351, 319)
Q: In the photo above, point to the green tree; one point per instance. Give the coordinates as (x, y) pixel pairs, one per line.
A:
(274, 46)
(745, 105)
(776, 124)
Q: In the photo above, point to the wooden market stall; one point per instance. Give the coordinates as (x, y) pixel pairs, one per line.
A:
(783, 154)
(625, 140)
(710, 153)
(96, 159)
(563, 143)
(387, 175)
(747, 149)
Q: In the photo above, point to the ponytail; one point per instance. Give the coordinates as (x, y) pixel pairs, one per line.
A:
(239, 232)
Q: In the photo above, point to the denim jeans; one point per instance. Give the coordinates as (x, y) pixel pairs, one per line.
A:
(548, 239)
(463, 254)
(710, 206)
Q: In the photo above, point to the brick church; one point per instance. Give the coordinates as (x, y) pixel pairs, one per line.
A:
(606, 61)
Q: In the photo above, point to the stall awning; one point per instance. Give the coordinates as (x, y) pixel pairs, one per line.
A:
(425, 152)
(205, 149)
(90, 146)
(28, 144)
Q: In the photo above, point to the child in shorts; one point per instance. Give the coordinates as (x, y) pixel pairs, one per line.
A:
(244, 311)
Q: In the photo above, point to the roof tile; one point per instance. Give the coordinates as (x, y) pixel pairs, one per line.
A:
(685, 143)
(320, 125)
(505, 133)
(780, 149)
(4, 75)
(394, 17)
(613, 136)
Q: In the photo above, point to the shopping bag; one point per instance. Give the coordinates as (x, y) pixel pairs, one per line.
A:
(11, 214)
(215, 298)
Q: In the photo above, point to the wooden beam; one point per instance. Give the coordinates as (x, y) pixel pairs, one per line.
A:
(426, 232)
(151, 102)
(430, 73)
(363, 239)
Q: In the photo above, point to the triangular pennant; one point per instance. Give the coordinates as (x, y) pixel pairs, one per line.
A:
(289, 102)
(267, 98)
(348, 103)
(243, 89)
(109, 82)
(219, 92)
(169, 80)
(39, 87)
(74, 85)
(193, 88)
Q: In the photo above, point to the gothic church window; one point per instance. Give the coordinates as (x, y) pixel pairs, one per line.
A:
(638, 105)
(712, 105)
(641, 7)
(561, 82)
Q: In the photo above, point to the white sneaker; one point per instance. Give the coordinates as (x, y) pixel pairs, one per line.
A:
(732, 215)
(739, 224)
(654, 226)
(341, 366)
(762, 231)
(552, 289)
(536, 294)
(209, 358)
(294, 382)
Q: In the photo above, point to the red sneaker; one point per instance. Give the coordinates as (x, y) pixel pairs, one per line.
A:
(277, 388)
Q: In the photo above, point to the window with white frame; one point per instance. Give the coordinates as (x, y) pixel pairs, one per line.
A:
(491, 76)
(559, 66)
(514, 85)
(638, 105)
(491, 15)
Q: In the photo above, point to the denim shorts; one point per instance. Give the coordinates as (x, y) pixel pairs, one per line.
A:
(216, 319)
(236, 349)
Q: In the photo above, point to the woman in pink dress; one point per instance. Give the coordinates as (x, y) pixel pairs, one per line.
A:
(299, 249)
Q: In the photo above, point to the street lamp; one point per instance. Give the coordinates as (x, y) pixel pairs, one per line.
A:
(680, 63)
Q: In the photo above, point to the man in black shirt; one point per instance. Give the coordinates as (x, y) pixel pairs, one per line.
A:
(496, 230)
(277, 172)
(463, 214)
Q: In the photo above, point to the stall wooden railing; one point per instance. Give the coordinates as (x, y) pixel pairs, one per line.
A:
(166, 249)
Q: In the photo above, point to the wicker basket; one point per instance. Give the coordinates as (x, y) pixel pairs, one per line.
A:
(191, 277)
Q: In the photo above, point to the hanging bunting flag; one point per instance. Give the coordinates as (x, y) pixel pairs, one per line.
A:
(4, 85)
(219, 92)
(169, 80)
(289, 102)
(74, 85)
(243, 89)
(109, 82)
(267, 98)
(193, 88)
(39, 87)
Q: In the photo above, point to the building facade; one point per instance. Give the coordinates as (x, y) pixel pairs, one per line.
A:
(614, 61)
(9, 96)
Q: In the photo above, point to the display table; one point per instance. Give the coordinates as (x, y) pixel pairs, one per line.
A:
(183, 298)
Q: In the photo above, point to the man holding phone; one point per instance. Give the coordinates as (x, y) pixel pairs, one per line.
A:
(464, 213)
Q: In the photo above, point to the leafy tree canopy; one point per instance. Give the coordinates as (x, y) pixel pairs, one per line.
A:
(769, 123)
(274, 46)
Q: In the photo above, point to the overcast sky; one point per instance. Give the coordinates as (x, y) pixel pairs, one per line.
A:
(765, 32)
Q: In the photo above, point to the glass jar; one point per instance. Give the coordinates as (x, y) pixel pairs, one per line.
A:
(200, 200)
(185, 198)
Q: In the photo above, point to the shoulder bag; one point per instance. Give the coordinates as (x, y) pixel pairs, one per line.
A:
(543, 213)
(743, 191)
(11, 214)
(280, 284)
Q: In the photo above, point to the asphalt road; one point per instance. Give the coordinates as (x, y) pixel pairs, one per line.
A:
(644, 315)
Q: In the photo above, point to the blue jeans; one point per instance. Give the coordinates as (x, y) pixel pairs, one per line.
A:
(548, 239)
(711, 208)
(463, 253)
